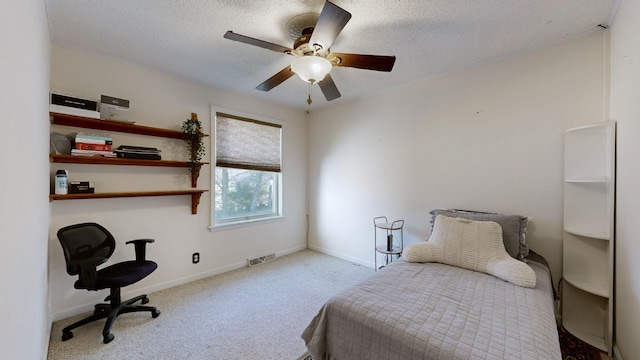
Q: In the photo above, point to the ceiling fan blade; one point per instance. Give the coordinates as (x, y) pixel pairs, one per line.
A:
(276, 79)
(328, 88)
(331, 21)
(368, 62)
(256, 42)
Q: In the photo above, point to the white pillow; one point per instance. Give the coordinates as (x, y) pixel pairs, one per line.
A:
(473, 245)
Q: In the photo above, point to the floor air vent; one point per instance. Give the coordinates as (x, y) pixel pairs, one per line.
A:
(261, 259)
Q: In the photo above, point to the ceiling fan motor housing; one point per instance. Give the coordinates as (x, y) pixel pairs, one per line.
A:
(302, 47)
(304, 38)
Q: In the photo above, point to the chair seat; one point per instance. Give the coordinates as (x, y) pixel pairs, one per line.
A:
(121, 274)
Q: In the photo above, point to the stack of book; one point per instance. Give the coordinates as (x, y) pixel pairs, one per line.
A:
(92, 145)
(138, 152)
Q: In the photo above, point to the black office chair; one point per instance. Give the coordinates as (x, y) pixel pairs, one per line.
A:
(85, 247)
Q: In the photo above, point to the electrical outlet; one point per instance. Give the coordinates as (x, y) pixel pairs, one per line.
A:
(195, 258)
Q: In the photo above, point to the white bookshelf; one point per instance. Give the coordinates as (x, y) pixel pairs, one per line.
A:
(588, 241)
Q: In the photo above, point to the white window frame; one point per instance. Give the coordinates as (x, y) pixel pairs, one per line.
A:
(212, 145)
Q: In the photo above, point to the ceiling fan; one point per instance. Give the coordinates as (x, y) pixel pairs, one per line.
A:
(313, 59)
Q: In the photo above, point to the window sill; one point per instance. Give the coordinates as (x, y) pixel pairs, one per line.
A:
(241, 224)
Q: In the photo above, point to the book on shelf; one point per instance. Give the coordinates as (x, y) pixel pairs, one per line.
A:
(79, 152)
(92, 136)
(138, 149)
(100, 137)
(92, 141)
(138, 152)
(134, 155)
(89, 146)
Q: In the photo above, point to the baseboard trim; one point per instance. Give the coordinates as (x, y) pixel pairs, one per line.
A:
(616, 352)
(45, 342)
(291, 250)
(149, 289)
(166, 285)
(341, 256)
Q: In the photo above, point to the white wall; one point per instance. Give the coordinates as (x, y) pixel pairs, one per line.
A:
(24, 209)
(160, 100)
(489, 138)
(625, 108)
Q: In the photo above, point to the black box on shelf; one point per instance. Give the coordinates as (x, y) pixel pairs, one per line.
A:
(74, 102)
(69, 105)
(81, 187)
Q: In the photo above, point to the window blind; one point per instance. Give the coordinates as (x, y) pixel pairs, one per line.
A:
(244, 143)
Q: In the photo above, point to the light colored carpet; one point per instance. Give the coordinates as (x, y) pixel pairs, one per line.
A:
(251, 313)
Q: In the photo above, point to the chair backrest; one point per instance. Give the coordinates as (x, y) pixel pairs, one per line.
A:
(85, 241)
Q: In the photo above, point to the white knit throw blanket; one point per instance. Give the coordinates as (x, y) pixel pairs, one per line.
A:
(473, 245)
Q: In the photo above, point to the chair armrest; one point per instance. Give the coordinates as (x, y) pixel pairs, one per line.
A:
(88, 270)
(141, 248)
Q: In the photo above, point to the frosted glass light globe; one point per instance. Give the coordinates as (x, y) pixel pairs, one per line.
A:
(311, 69)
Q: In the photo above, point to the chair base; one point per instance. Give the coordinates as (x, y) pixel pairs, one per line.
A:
(111, 311)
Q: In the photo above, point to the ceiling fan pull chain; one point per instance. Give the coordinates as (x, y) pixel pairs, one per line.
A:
(309, 101)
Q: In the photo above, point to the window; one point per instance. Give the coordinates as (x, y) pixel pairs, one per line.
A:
(247, 169)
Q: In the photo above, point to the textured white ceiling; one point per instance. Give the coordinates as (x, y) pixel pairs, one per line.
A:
(428, 38)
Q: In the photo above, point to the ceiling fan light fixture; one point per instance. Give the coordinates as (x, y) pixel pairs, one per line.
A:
(311, 69)
(313, 36)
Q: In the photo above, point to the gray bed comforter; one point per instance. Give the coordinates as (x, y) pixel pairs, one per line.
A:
(436, 311)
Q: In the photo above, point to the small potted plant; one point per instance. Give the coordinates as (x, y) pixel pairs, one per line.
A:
(193, 136)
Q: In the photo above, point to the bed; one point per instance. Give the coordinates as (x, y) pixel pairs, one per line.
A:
(435, 310)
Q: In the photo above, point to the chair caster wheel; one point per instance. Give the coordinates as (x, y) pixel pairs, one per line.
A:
(144, 300)
(155, 313)
(66, 335)
(108, 338)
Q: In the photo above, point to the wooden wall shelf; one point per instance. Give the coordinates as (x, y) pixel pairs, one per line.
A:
(89, 123)
(71, 159)
(195, 196)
